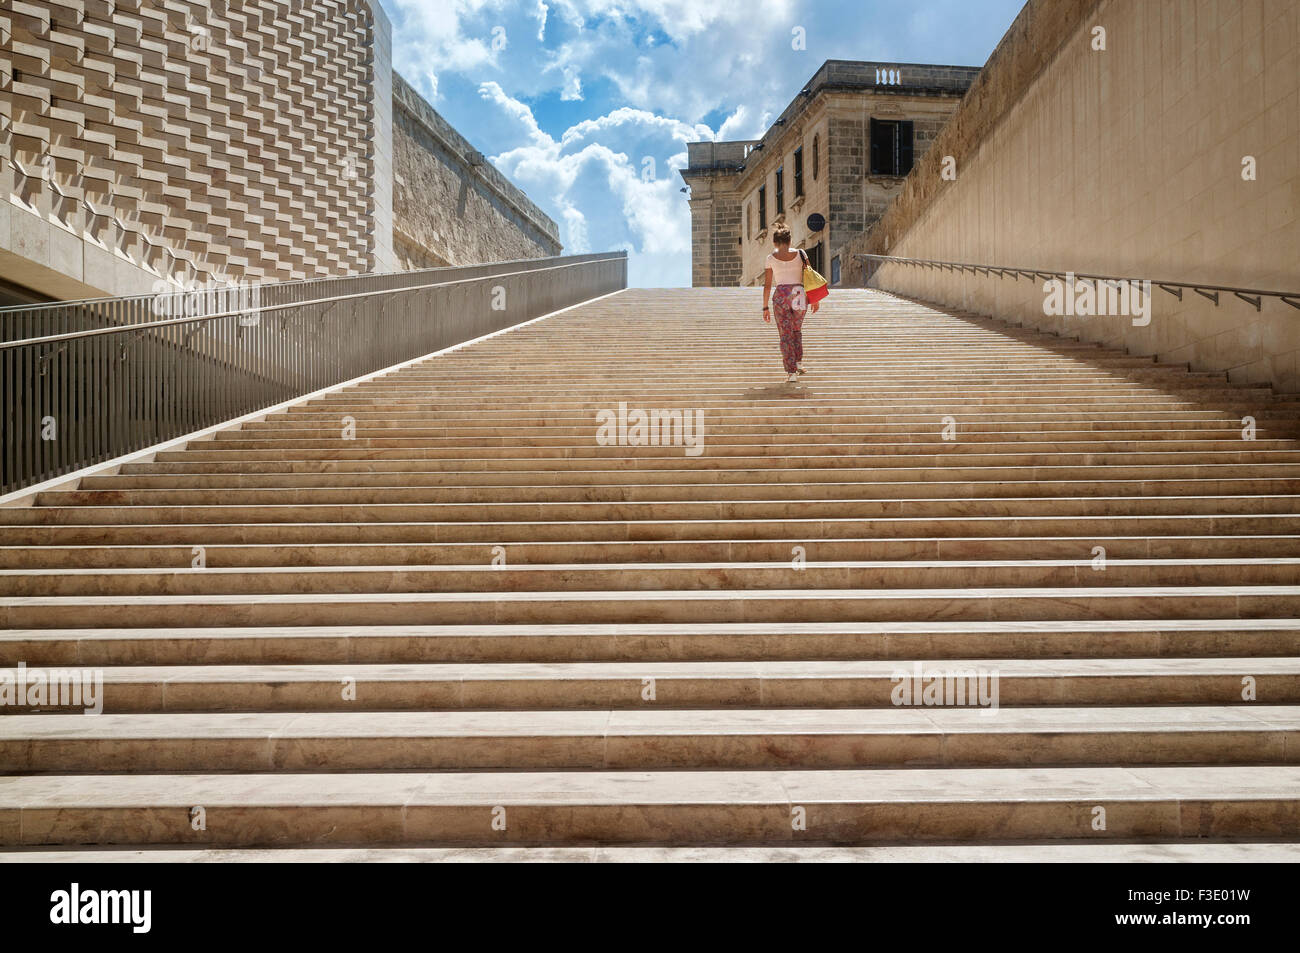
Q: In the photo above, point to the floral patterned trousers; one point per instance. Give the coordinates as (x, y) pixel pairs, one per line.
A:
(789, 307)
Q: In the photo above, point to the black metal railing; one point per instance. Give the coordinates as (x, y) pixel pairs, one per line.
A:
(1253, 296)
(82, 382)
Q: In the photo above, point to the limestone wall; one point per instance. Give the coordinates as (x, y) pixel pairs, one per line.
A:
(716, 218)
(450, 205)
(1124, 161)
(148, 139)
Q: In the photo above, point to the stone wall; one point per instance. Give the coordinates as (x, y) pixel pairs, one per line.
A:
(848, 152)
(1125, 161)
(715, 211)
(198, 141)
(451, 206)
(380, 144)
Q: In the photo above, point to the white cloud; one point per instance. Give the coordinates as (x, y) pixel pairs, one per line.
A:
(744, 123)
(575, 231)
(603, 199)
(719, 41)
(540, 13)
(572, 85)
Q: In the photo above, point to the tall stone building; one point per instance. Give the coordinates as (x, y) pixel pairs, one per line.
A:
(215, 141)
(829, 166)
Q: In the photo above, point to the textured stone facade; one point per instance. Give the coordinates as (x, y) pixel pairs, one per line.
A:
(715, 240)
(451, 207)
(829, 124)
(213, 142)
(201, 141)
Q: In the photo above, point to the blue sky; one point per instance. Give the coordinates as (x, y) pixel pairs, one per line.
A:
(587, 105)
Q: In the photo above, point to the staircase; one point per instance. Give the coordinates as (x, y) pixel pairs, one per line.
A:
(471, 623)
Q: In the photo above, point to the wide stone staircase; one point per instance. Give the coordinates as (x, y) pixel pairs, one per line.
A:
(443, 608)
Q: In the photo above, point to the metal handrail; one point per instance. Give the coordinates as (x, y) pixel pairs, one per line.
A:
(263, 285)
(288, 306)
(80, 397)
(1211, 292)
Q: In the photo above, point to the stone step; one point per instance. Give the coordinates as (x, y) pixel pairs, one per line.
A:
(839, 381)
(506, 686)
(1012, 433)
(876, 501)
(716, 455)
(1201, 851)
(677, 606)
(872, 806)
(792, 574)
(884, 367)
(651, 740)
(671, 486)
(377, 643)
(1013, 418)
(884, 445)
(935, 532)
(795, 481)
(122, 554)
(836, 386)
(1227, 397)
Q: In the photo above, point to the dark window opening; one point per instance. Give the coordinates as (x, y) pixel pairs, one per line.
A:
(891, 147)
(798, 172)
(815, 255)
(762, 208)
(835, 270)
(817, 149)
(780, 191)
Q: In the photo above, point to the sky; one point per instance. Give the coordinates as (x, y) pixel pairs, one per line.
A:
(587, 105)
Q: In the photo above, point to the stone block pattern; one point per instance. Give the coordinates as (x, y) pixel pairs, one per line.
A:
(726, 244)
(451, 206)
(193, 140)
(847, 158)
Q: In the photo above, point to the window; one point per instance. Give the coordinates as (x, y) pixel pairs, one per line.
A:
(798, 172)
(762, 208)
(817, 149)
(835, 270)
(749, 232)
(891, 147)
(780, 191)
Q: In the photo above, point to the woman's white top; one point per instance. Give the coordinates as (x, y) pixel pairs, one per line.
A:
(786, 272)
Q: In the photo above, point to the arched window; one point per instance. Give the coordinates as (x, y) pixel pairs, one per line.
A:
(816, 158)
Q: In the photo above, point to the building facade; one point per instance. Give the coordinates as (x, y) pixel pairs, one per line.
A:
(828, 167)
(216, 142)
